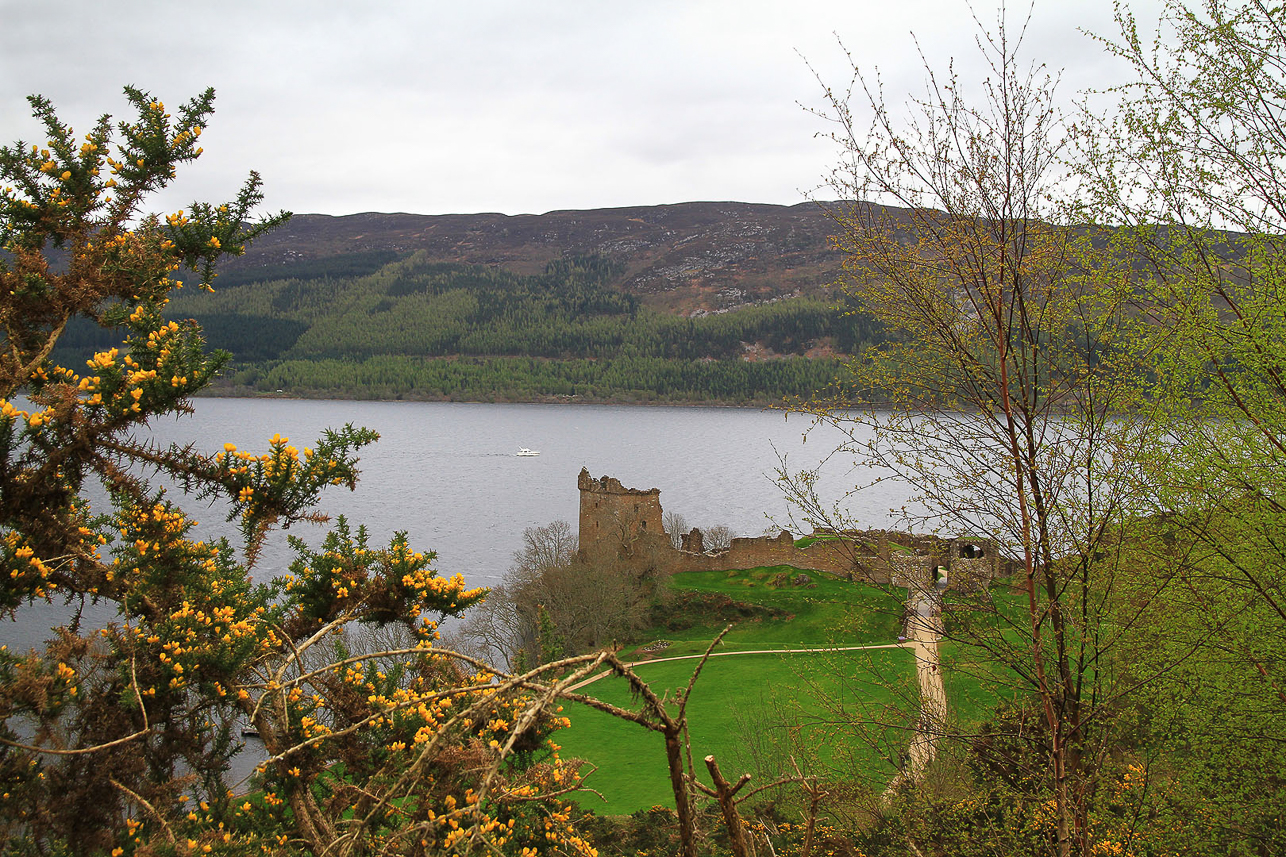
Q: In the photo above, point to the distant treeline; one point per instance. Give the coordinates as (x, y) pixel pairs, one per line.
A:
(632, 379)
(365, 325)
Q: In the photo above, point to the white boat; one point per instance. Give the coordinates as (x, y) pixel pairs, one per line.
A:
(524, 451)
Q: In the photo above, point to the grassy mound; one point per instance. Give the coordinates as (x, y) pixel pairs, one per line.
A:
(823, 613)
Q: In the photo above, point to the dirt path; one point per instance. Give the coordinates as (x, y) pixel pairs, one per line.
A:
(924, 629)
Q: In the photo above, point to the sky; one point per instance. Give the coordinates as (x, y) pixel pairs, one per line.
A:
(512, 106)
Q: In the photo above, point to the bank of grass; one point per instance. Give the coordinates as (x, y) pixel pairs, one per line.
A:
(742, 693)
(827, 612)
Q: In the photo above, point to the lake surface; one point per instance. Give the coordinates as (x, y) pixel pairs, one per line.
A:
(449, 473)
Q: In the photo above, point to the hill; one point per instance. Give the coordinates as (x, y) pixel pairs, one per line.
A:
(699, 302)
(682, 258)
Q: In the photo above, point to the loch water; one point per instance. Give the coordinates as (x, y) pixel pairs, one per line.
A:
(450, 476)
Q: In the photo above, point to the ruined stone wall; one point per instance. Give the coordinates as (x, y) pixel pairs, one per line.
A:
(618, 521)
(971, 574)
(974, 562)
(912, 570)
(837, 557)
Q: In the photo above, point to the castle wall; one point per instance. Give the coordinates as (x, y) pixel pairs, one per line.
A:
(912, 571)
(840, 557)
(617, 521)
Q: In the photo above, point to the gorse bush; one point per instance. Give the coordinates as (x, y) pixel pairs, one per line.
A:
(117, 740)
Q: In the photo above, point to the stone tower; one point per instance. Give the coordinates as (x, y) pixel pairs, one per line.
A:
(612, 515)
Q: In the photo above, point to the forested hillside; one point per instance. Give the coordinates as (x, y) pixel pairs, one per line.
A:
(376, 324)
(686, 257)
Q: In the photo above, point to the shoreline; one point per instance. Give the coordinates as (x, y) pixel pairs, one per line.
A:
(217, 393)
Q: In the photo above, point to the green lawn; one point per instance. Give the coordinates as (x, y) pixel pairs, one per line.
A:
(744, 700)
(975, 681)
(730, 699)
(740, 694)
(974, 686)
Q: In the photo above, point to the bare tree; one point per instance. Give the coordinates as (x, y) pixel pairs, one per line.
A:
(676, 526)
(490, 632)
(718, 538)
(591, 603)
(543, 548)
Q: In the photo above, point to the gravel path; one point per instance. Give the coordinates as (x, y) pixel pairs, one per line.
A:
(924, 629)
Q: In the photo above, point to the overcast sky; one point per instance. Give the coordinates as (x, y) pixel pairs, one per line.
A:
(516, 106)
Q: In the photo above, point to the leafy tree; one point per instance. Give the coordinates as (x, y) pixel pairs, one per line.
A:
(116, 740)
(1191, 179)
(1005, 381)
(1113, 418)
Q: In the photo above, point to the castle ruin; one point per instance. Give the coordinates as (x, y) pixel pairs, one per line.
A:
(620, 522)
(612, 515)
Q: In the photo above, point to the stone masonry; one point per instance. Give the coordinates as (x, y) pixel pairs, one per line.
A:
(616, 521)
(612, 516)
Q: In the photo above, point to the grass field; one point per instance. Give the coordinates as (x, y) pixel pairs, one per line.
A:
(727, 702)
(734, 704)
(974, 686)
(975, 681)
(831, 612)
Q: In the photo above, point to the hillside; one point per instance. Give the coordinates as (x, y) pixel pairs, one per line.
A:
(700, 302)
(685, 257)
